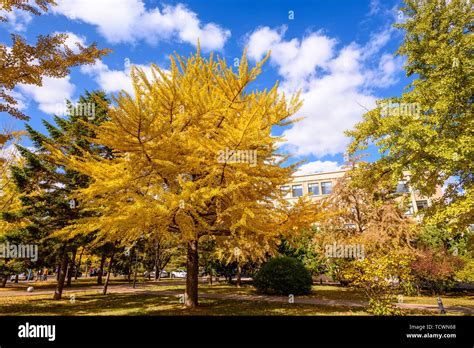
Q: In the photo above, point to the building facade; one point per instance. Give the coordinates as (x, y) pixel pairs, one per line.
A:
(320, 185)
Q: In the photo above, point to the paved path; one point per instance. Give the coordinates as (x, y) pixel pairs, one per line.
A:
(142, 288)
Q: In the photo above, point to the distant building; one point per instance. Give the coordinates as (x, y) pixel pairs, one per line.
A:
(320, 185)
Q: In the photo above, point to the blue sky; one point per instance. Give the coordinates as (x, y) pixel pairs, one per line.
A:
(338, 53)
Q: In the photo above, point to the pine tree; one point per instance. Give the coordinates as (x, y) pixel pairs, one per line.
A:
(45, 188)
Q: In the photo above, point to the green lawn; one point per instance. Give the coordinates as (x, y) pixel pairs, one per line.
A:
(90, 303)
(332, 292)
(93, 303)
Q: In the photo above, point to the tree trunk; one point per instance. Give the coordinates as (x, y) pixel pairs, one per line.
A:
(135, 276)
(16, 279)
(101, 269)
(79, 264)
(136, 270)
(108, 272)
(157, 262)
(70, 268)
(239, 277)
(210, 275)
(4, 281)
(191, 295)
(62, 277)
(129, 268)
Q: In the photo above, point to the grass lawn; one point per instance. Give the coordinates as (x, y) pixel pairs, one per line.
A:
(332, 292)
(93, 303)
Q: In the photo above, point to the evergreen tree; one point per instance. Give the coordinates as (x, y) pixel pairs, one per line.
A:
(46, 188)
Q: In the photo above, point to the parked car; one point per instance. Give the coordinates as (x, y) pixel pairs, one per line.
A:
(21, 276)
(95, 272)
(178, 274)
(163, 274)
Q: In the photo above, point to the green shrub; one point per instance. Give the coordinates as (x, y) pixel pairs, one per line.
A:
(283, 276)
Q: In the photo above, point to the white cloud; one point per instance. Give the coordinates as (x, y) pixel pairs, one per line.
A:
(72, 39)
(336, 84)
(296, 60)
(51, 95)
(376, 42)
(129, 21)
(9, 152)
(22, 103)
(112, 81)
(374, 7)
(262, 40)
(17, 20)
(386, 75)
(318, 166)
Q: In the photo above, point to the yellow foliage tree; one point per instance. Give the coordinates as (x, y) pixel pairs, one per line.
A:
(28, 64)
(193, 156)
(8, 194)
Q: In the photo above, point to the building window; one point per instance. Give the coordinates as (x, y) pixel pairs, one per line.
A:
(422, 204)
(297, 190)
(313, 189)
(326, 187)
(402, 187)
(285, 190)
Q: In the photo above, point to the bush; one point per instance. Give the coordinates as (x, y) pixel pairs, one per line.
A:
(283, 276)
(436, 269)
(381, 276)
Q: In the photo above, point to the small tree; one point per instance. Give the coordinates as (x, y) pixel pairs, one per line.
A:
(304, 247)
(381, 277)
(435, 269)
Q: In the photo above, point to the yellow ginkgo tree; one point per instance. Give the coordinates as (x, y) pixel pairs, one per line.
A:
(194, 156)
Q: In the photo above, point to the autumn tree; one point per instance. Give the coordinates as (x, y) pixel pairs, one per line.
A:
(367, 216)
(194, 157)
(161, 249)
(363, 209)
(8, 196)
(22, 63)
(428, 130)
(381, 276)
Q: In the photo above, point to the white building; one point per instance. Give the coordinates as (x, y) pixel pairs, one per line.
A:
(320, 185)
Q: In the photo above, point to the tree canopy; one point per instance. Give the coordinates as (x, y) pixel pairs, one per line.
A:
(431, 132)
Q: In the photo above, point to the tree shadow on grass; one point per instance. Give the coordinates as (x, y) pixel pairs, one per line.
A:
(149, 304)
